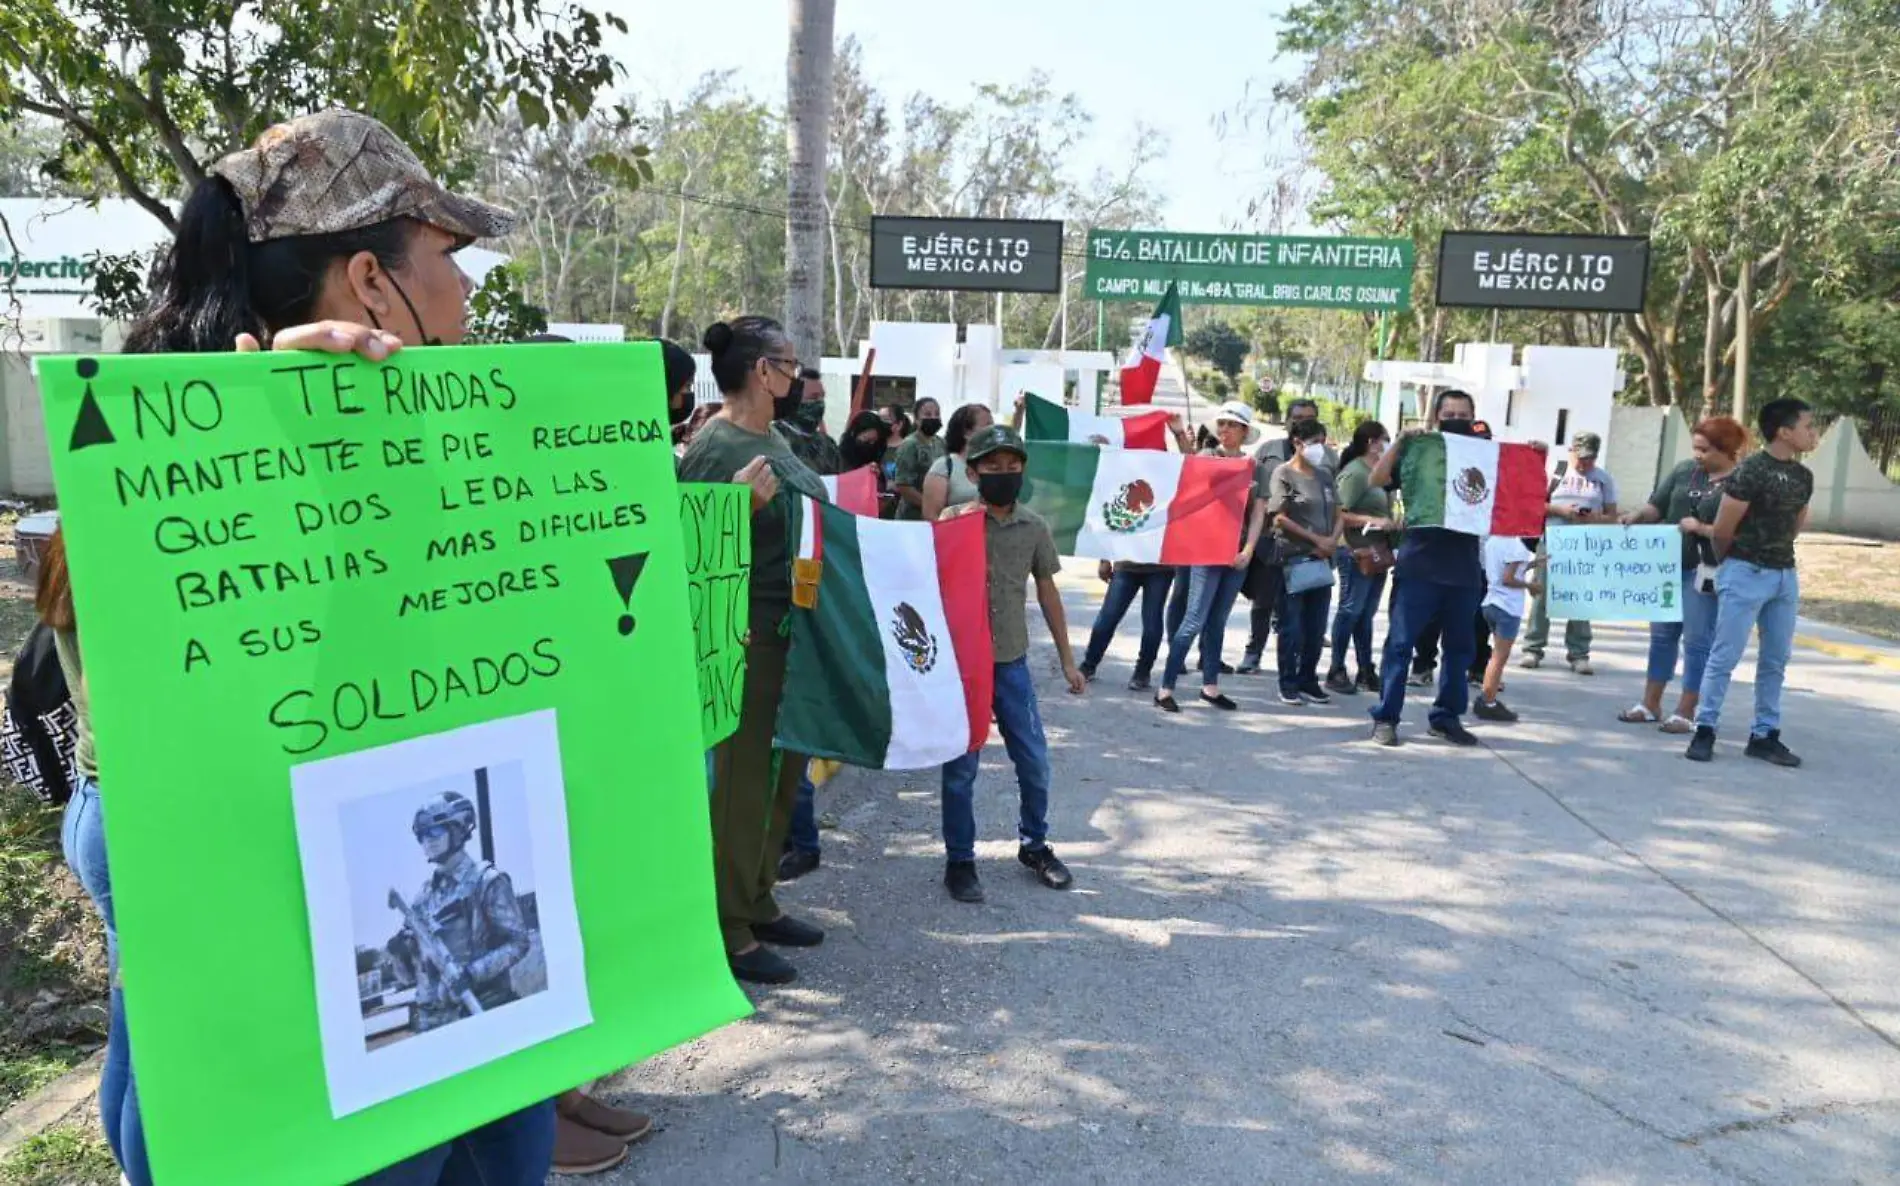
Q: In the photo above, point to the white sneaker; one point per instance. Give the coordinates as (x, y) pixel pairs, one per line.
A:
(1531, 662)
(1582, 667)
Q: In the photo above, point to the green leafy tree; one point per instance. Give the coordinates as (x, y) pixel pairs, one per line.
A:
(148, 92)
(1220, 344)
(498, 312)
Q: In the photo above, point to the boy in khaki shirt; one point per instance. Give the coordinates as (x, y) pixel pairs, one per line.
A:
(1019, 546)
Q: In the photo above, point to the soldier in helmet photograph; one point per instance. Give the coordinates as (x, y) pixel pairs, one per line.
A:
(463, 934)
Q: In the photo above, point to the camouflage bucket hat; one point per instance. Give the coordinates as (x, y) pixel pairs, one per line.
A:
(339, 171)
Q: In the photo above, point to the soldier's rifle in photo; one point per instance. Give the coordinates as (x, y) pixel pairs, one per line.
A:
(437, 955)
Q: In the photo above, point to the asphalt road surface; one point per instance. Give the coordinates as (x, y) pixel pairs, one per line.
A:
(1568, 956)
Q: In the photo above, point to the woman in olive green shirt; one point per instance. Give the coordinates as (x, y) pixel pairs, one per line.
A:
(1367, 510)
(754, 787)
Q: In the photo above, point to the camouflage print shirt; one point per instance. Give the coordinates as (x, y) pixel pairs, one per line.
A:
(816, 448)
(471, 907)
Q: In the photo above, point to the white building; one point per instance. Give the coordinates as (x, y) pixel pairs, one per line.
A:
(1551, 395)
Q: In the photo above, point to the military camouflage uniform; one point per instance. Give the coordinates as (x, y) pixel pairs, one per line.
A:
(472, 908)
(815, 448)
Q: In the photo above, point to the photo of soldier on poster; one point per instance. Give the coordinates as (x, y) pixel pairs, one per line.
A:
(440, 891)
(466, 940)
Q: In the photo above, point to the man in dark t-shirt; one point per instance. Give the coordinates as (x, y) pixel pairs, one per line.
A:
(1440, 577)
(1764, 507)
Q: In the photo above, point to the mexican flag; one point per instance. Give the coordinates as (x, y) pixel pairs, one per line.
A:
(1144, 369)
(1473, 486)
(1046, 420)
(891, 669)
(1136, 504)
(855, 491)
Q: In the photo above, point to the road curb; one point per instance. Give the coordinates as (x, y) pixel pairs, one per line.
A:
(1852, 652)
(50, 1104)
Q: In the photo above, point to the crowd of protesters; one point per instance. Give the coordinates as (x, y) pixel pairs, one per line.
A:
(329, 235)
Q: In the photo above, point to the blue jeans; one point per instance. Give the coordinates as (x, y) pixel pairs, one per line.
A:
(1358, 604)
(82, 839)
(1419, 604)
(1750, 596)
(1691, 636)
(517, 1150)
(1211, 590)
(1020, 720)
(1122, 589)
(1302, 636)
(804, 834)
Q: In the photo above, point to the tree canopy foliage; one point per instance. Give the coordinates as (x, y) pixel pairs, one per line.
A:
(1741, 136)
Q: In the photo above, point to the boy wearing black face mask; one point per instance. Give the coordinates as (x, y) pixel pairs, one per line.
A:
(915, 457)
(1019, 546)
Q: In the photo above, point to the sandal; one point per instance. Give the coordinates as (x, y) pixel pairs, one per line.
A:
(1636, 714)
(1679, 724)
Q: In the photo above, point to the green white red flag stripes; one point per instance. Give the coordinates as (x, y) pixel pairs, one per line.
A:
(855, 491)
(893, 668)
(1471, 485)
(1144, 369)
(1046, 420)
(1140, 505)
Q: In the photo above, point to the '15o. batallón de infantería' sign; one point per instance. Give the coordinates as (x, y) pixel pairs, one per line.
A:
(970, 254)
(1588, 273)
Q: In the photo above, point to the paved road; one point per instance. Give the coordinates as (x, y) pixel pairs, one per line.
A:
(1566, 957)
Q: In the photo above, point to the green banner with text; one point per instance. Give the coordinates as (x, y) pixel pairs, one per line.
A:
(1273, 270)
(393, 685)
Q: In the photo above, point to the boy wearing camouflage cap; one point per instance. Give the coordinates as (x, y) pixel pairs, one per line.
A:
(1019, 546)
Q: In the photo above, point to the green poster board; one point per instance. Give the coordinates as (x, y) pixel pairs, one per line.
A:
(716, 530)
(1280, 271)
(317, 595)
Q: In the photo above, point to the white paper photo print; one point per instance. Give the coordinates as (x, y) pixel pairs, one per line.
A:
(441, 902)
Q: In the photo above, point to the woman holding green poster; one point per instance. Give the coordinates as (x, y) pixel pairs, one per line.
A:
(754, 787)
(327, 234)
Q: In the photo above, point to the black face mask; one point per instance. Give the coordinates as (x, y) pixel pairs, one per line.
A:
(856, 452)
(786, 406)
(930, 426)
(679, 413)
(1457, 428)
(999, 490)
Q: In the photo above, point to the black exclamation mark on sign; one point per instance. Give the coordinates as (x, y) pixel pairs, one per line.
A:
(627, 570)
(90, 428)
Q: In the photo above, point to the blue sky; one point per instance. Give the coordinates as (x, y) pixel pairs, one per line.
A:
(1176, 66)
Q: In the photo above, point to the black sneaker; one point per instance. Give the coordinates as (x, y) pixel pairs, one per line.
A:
(1422, 679)
(1291, 698)
(1336, 681)
(1227, 669)
(1769, 749)
(762, 965)
(1167, 703)
(1048, 870)
(1220, 700)
(1702, 745)
(1385, 733)
(1249, 664)
(795, 863)
(1314, 694)
(1138, 683)
(1088, 672)
(1494, 710)
(959, 877)
(1368, 681)
(788, 932)
(1455, 733)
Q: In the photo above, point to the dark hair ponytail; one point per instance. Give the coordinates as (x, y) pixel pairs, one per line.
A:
(737, 346)
(213, 283)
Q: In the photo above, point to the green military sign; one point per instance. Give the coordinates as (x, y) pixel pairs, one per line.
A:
(392, 676)
(1321, 273)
